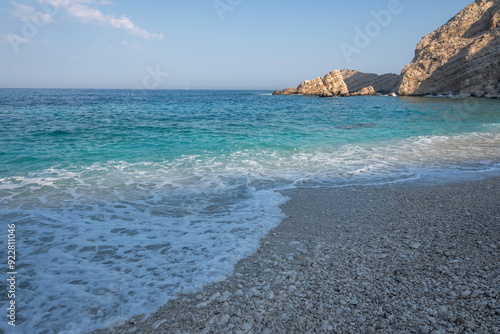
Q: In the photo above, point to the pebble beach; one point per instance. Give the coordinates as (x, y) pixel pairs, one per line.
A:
(360, 259)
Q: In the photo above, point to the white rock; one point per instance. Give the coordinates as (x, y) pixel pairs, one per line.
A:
(202, 304)
(415, 245)
(246, 327)
(224, 319)
(214, 296)
(158, 324)
(205, 330)
(465, 294)
(443, 309)
(220, 278)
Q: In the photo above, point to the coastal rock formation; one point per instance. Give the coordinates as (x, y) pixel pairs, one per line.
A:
(461, 57)
(365, 91)
(383, 84)
(286, 91)
(345, 83)
(331, 84)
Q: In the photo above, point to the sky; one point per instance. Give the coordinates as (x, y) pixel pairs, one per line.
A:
(207, 44)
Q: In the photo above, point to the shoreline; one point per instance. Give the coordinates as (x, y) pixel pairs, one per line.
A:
(360, 259)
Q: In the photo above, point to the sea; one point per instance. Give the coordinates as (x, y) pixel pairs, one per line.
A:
(121, 199)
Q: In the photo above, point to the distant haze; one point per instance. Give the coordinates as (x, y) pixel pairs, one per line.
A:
(221, 44)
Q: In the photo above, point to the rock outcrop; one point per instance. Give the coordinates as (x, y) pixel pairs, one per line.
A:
(365, 91)
(460, 58)
(383, 84)
(331, 84)
(345, 83)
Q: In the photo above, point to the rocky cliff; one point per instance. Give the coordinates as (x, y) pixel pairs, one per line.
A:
(384, 84)
(461, 58)
(331, 84)
(345, 83)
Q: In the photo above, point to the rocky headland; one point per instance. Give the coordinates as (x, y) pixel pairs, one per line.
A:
(345, 83)
(461, 58)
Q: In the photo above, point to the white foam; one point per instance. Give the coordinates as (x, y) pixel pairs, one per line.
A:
(117, 240)
(443, 95)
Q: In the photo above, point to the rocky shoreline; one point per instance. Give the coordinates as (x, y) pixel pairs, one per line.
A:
(420, 259)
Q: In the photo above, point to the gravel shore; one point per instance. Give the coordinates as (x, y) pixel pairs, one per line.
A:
(420, 259)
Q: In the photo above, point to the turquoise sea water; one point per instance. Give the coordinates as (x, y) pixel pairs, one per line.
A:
(123, 198)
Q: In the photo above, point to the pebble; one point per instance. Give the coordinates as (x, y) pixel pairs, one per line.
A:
(246, 327)
(224, 319)
(158, 324)
(415, 245)
(214, 296)
(202, 304)
(205, 330)
(221, 278)
(465, 294)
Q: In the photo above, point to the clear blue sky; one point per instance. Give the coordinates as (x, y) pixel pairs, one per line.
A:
(206, 44)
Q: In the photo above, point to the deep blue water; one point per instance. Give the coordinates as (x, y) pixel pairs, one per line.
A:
(109, 188)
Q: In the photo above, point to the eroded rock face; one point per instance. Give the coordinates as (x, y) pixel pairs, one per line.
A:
(331, 84)
(460, 58)
(384, 84)
(345, 83)
(365, 92)
(334, 83)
